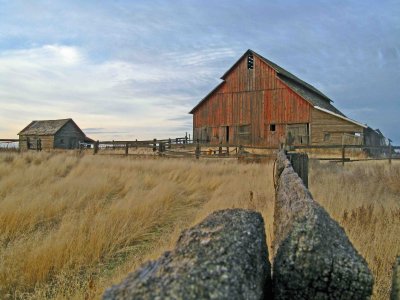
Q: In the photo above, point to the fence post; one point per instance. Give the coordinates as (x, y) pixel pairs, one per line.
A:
(126, 149)
(160, 147)
(154, 145)
(186, 138)
(96, 147)
(343, 154)
(390, 153)
(113, 145)
(220, 149)
(39, 145)
(169, 143)
(227, 151)
(299, 163)
(198, 149)
(240, 153)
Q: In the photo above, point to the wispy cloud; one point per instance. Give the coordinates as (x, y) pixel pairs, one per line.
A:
(56, 81)
(138, 66)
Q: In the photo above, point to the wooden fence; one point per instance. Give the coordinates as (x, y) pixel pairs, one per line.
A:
(374, 152)
(180, 147)
(185, 147)
(9, 145)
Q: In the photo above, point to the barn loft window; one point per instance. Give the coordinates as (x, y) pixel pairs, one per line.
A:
(327, 137)
(272, 127)
(250, 62)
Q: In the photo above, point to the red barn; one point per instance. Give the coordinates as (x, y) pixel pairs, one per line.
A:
(261, 104)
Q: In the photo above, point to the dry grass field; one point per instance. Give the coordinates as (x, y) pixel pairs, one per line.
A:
(364, 198)
(71, 225)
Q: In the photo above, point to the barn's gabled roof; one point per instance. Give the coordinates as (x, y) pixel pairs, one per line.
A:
(46, 127)
(305, 90)
(313, 98)
(281, 71)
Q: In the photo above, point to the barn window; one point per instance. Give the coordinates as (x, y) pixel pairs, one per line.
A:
(61, 141)
(327, 137)
(244, 129)
(272, 127)
(244, 132)
(250, 62)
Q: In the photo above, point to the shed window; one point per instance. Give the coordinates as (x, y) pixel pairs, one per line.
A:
(327, 137)
(61, 141)
(250, 62)
(272, 127)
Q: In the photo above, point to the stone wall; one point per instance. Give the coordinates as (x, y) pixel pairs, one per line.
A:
(313, 258)
(226, 256)
(396, 281)
(223, 257)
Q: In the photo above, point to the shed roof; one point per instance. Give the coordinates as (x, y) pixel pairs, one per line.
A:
(305, 90)
(341, 116)
(45, 127)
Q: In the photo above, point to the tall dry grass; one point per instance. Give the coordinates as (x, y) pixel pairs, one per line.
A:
(72, 225)
(364, 197)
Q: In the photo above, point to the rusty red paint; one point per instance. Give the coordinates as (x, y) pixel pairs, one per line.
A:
(256, 98)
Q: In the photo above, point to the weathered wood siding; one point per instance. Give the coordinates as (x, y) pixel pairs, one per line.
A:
(248, 102)
(47, 141)
(330, 130)
(68, 137)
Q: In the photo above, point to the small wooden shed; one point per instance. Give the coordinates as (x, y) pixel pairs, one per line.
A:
(52, 134)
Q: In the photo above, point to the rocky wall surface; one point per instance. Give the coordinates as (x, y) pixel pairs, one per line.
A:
(314, 259)
(223, 257)
(395, 295)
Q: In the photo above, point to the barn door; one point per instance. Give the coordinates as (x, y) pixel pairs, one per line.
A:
(297, 134)
(224, 134)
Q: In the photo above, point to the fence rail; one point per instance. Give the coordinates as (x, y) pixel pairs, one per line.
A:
(186, 147)
(9, 145)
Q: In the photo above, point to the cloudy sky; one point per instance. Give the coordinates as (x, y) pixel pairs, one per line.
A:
(134, 69)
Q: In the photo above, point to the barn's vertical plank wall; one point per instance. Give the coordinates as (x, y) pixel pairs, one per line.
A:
(251, 107)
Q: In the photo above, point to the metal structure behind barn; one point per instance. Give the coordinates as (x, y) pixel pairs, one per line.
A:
(259, 103)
